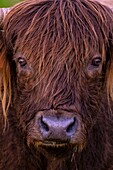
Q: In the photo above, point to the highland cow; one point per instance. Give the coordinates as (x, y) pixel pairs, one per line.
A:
(56, 86)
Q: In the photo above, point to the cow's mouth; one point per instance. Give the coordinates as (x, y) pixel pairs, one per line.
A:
(56, 149)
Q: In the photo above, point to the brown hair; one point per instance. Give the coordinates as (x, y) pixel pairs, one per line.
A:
(76, 23)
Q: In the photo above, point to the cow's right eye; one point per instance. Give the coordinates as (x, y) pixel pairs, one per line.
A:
(22, 62)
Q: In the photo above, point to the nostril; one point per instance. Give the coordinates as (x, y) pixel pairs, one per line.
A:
(44, 125)
(72, 127)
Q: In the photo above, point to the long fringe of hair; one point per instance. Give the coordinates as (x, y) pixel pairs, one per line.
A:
(56, 28)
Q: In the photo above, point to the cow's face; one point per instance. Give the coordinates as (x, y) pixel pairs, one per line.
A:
(58, 64)
(60, 104)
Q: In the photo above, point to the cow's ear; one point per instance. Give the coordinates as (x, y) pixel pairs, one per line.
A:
(109, 71)
(3, 13)
(4, 67)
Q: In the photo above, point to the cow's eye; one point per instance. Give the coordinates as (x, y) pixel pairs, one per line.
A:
(22, 62)
(96, 61)
(95, 66)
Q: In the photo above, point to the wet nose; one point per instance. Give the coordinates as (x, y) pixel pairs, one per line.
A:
(57, 129)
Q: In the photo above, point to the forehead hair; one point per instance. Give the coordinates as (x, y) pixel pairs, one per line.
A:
(55, 28)
(52, 33)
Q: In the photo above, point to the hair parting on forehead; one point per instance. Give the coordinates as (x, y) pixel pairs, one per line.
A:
(51, 30)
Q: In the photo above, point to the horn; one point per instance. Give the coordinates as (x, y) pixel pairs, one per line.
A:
(3, 12)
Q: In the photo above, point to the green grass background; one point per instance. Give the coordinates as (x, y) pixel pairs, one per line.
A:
(7, 3)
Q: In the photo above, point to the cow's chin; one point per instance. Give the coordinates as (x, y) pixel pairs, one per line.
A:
(56, 150)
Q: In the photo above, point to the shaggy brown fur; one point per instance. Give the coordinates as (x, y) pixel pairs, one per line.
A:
(57, 60)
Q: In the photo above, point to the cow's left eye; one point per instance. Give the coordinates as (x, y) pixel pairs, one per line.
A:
(95, 66)
(96, 61)
(22, 62)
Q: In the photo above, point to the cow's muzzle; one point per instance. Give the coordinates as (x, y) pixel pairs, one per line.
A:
(57, 132)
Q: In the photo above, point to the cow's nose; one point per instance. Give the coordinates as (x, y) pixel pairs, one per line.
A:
(57, 129)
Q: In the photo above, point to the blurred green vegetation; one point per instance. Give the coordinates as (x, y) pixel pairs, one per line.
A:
(7, 3)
